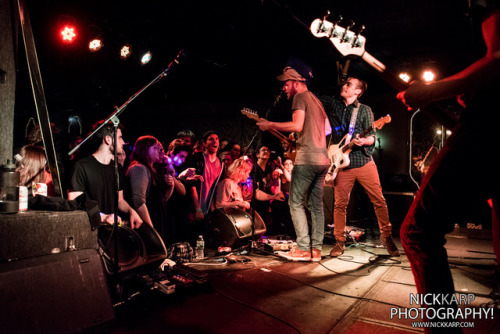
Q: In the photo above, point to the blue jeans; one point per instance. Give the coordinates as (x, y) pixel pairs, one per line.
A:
(307, 184)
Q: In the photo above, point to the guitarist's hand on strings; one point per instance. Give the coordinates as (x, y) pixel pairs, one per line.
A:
(363, 141)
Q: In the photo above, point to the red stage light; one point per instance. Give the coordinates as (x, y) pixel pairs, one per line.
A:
(68, 34)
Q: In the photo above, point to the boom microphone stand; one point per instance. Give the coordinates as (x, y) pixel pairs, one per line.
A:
(113, 118)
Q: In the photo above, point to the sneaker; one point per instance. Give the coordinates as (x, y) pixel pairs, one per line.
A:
(316, 255)
(389, 244)
(338, 249)
(295, 254)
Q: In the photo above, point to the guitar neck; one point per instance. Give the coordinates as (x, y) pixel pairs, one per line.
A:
(392, 79)
(278, 134)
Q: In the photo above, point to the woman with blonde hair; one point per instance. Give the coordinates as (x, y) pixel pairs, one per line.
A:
(228, 190)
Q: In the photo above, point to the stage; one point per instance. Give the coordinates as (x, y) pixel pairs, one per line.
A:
(355, 293)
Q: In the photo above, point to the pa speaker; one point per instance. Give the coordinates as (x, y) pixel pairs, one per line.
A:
(60, 293)
(231, 227)
(140, 248)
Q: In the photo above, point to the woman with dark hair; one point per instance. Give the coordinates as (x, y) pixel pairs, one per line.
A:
(147, 190)
(31, 165)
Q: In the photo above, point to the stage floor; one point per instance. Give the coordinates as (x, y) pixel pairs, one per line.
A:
(356, 293)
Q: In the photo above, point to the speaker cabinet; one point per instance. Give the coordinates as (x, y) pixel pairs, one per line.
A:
(36, 233)
(231, 227)
(60, 293)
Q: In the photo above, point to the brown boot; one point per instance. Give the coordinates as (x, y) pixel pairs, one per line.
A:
(338, 249)
(389, 244)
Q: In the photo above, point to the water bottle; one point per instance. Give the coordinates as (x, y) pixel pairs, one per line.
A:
(200, 248)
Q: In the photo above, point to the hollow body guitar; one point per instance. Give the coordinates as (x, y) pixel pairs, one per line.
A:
(287, 143)
(339, 153)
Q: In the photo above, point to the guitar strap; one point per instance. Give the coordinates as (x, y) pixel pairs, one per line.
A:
(352, 123)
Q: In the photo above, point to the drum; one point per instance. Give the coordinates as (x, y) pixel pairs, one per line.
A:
(231, 227)
(136, 247)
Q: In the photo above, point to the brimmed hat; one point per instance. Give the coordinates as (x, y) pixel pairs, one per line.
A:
(290, 74)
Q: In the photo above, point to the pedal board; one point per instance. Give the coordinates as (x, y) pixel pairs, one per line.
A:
(274, 245)
(181, 270)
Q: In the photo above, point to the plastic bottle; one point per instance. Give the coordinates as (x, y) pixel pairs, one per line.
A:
(200, 248)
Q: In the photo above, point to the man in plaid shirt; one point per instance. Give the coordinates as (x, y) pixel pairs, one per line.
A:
(362, 168)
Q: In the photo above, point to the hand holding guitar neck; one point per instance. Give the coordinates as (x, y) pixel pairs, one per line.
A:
(287, 143)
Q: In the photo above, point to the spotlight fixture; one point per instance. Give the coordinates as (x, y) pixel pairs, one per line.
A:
(68, 33)
(125, 51)
(405, 76)
(146, 58)
(428, 76)
(95, 45)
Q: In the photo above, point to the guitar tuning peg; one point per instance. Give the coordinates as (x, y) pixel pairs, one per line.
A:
(360, 29)
(349, 24)
(327, 13)
(338, 20)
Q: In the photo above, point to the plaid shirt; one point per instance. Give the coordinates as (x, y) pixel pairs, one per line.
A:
(340, 116)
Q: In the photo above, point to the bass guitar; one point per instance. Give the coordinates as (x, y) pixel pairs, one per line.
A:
(287, 143)
(350, 43)
(339, 153)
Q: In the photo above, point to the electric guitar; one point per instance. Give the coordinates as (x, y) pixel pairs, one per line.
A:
(339, 153)
(287, 143)
(350, 43)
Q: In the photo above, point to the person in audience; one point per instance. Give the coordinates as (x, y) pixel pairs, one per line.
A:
(209, 166)
(280, 211)
(147, 189)
(229, 193)
(235, 150)
(95, 176)
(226, 158)
(32, 167)
(188, 137)
(262, 176)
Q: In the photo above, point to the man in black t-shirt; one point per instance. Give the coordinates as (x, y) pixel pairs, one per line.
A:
(94, 176)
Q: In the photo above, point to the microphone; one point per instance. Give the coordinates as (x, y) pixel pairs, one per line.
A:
(181, 55)
(278, 98)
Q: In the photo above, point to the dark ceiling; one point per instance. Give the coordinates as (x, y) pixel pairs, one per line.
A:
(235, 48)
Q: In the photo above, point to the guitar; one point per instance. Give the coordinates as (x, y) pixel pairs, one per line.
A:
(339, 153)
(287, 143)
(349, 43)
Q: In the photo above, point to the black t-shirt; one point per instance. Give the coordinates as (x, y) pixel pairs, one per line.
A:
(97, 181)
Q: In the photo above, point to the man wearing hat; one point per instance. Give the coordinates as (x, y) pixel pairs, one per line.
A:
(311, 126)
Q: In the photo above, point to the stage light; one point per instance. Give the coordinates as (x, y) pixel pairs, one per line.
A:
(68, 33)
(95, 45)
(406, 77)
(428, 76)
(146, 58)
(125, 51)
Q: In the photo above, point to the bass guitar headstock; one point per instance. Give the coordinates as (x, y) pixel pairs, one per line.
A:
(346, 40)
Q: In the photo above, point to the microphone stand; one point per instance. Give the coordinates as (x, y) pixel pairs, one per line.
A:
(254, 182)
(113, 118)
